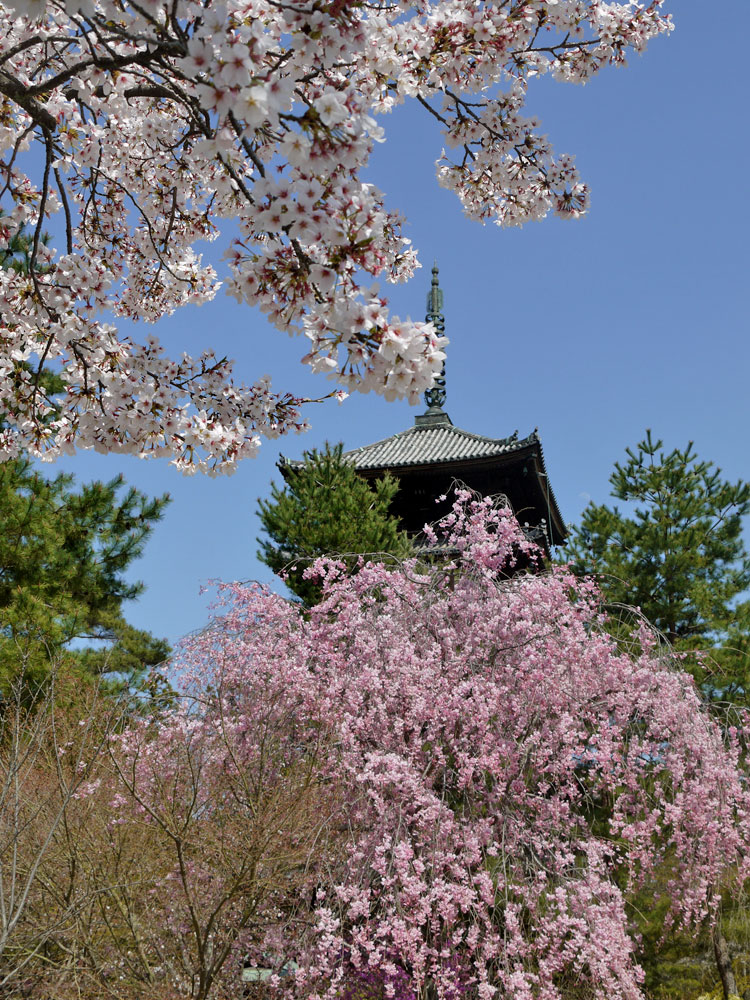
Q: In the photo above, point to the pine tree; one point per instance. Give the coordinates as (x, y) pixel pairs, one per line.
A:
(678, 554)
(16, 253)
(63, 557)
(325, 508)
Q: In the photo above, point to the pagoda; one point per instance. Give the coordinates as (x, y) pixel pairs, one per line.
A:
(432, 455)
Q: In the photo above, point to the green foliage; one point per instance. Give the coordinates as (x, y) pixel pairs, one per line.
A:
(678, 554)
(678, 965)
(325, 508)
(16, 253)
(63, 558)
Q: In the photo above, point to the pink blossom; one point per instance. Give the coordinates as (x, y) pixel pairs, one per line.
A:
(474, 719)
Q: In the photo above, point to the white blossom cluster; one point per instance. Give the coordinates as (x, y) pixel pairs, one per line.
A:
(134, 128)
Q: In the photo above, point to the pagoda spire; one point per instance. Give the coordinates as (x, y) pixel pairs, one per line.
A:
(435, 396)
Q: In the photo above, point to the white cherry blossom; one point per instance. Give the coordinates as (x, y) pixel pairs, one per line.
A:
(150, 123)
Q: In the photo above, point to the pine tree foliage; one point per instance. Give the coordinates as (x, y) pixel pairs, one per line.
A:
(676, 552)
(325, 508)
(16, 252)
(64, 553)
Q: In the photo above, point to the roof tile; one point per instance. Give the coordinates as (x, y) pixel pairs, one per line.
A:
(431, 444)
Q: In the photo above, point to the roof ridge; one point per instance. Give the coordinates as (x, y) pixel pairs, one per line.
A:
(425, 445)
(451, 429)
(510, 439)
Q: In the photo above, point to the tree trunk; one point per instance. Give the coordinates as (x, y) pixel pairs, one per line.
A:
(724, 964)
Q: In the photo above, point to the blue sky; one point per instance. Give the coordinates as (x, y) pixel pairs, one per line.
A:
(592, 331)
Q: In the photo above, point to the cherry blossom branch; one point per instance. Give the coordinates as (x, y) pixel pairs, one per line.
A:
(128, 98)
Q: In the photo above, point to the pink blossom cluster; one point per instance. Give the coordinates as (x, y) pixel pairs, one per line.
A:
(129, 131)
(505, 776)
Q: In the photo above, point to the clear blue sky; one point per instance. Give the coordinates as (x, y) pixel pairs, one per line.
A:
(591, 331)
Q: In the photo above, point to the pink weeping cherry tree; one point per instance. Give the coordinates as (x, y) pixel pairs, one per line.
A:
(484, 778)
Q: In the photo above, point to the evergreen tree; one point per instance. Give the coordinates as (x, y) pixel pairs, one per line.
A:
(63, 556)
(678, 554)
(15, 254)
(325, 508)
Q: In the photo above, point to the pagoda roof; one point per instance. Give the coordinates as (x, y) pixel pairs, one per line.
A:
(434, 444)
(434, 440)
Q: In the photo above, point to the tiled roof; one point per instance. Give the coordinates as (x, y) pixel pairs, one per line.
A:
(432, 441)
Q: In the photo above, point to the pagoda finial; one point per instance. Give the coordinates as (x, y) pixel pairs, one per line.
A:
(435, 396)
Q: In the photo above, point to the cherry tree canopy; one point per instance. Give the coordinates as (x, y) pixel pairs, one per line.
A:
(130, 130)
